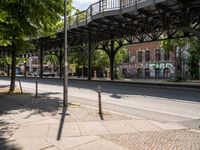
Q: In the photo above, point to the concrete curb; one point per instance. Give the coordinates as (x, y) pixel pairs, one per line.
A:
(168, 85)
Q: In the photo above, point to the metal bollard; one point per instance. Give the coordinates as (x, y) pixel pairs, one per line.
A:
(99, 99)
(36, 89)
(20, 85)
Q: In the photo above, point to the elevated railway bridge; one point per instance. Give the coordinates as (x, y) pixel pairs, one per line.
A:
(124, 22)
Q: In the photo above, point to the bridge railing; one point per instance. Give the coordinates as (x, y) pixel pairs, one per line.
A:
(100, 7)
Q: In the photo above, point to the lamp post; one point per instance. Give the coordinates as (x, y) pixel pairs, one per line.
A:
(65, 96)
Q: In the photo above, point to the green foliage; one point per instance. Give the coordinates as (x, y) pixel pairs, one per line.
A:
(122, 56)
(100, 59)
(3, 62)
(170, 45)
(194, 59)
(78, 57)
(22, 19)
(52, 59)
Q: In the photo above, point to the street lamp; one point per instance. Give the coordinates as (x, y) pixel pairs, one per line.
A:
(65, 96)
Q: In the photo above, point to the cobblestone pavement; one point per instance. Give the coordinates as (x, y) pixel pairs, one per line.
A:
(164, 140)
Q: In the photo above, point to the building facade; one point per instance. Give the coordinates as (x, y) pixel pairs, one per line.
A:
(148, 60)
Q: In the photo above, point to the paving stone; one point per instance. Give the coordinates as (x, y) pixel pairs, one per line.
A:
(32, 143)
(63, 130)
(92, 128)
(99, 145)
(31, 131)
(52, 148)
(168, 126)
(143, 125)
(26, 116)
(119, 127)
(70, 142)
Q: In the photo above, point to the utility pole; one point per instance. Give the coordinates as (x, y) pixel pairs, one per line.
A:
(65, 96)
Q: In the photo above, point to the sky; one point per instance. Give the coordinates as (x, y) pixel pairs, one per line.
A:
(83, 4)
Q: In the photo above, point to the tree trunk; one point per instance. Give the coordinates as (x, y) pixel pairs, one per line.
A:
(115, 75)
(8, 70)
(111, 68)
(13, 70)
(8, 67)
(199, 69)
(112, 57)
(25, 69)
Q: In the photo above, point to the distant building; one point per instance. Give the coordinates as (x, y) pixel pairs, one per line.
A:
(148, 60)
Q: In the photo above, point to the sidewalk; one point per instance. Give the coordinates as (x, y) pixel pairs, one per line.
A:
(30, 123)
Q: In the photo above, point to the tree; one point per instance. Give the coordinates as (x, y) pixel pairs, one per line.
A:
(53, 60)
(3, 62)
(194, 59)
(22, 19)
(101, 58)
(174, 46)
(79, 58)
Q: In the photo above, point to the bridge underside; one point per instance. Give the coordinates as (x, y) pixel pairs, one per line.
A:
(125, 21)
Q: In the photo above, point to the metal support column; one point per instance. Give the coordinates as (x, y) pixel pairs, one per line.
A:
(65, 84)
(112, 60)
(41, 63)
(89, 58)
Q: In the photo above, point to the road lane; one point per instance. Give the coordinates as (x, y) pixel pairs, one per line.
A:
(158, 104)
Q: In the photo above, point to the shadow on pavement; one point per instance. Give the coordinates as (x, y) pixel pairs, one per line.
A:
(25, 107)
(116, 96)
(62, 120)
(5, 143)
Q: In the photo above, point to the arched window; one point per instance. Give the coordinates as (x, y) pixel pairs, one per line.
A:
(166, 73)
(139, 73)
(147, 56)
(140, 56)
(147, 73)
(157, 73)
(157, 55)
(166, 56)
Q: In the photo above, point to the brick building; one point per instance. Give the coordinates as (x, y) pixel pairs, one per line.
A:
(148, 60)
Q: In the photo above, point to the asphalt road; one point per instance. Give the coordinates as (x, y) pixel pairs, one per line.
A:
(163, 104)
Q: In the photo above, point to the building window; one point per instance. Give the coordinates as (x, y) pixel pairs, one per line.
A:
(139, 73)
(147, 56)
(124, 72)
(140, 56)
(131, 2)
(166, 56)
(147, 73)
(166, 73)
(157, 73)
(157, 55)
